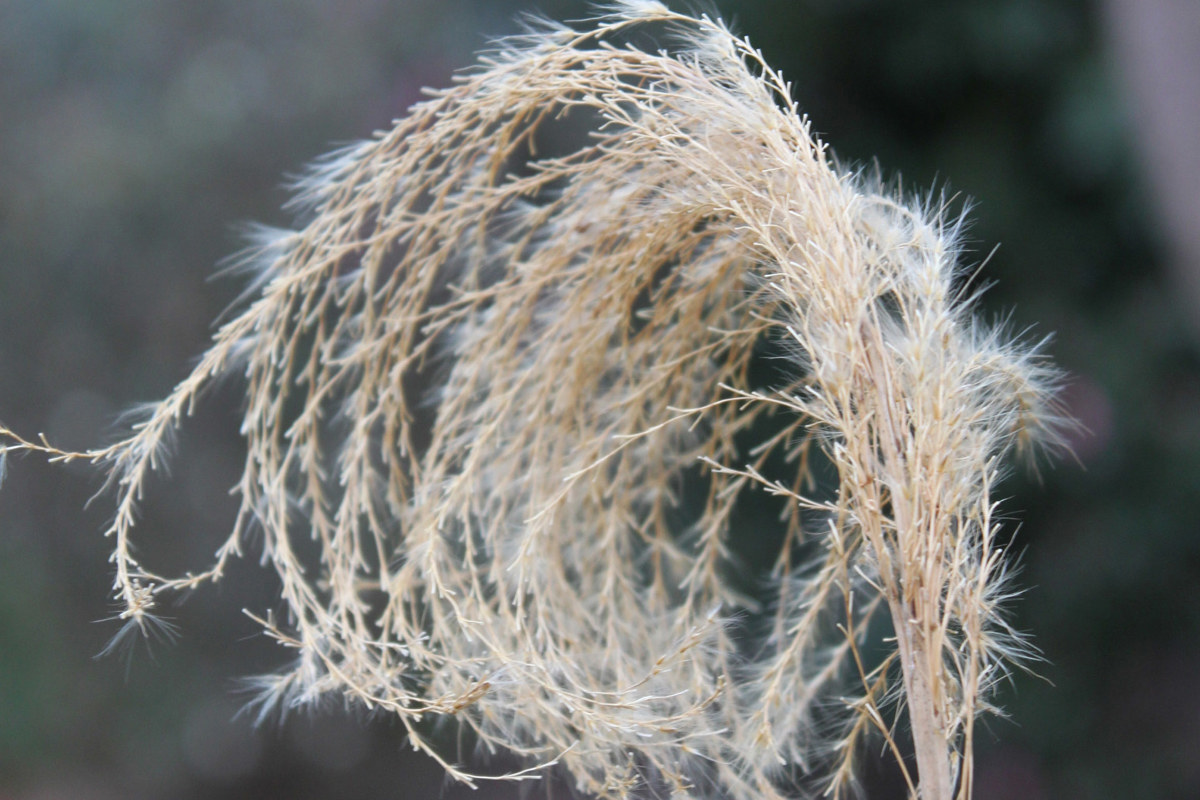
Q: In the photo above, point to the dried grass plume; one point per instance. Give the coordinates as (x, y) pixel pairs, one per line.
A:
(509, 396)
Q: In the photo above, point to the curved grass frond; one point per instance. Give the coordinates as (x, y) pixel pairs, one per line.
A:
(506, 381)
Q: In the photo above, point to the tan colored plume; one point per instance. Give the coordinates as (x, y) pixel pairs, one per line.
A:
(507, 375)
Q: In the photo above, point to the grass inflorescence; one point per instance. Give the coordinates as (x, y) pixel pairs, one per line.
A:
(505, 394)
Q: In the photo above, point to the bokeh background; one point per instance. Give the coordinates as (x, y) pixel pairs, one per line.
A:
(136, 135)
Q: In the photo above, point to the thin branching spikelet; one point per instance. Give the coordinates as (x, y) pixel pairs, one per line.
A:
(508, 394)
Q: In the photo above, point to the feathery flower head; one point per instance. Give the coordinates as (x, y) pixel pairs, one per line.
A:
(507, 384)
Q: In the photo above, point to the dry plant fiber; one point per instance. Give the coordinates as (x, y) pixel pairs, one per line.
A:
(507, 397)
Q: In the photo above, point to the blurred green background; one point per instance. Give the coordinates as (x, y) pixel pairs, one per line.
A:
(136, 135)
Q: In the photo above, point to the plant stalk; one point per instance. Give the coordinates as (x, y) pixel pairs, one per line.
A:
(933, 751)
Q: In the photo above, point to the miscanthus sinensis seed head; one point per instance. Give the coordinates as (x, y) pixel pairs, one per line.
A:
(506, 386)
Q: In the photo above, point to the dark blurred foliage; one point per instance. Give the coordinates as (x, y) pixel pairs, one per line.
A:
(135, 135)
